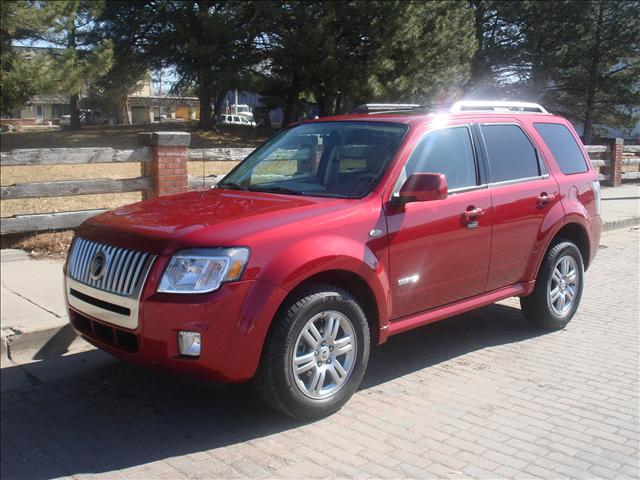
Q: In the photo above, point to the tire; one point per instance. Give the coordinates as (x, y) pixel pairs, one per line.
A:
(311, 394)
(556, 297)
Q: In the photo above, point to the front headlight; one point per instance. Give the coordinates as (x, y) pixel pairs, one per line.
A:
(202, 270)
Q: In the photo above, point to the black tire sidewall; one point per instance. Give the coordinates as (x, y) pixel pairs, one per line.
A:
(296, 402)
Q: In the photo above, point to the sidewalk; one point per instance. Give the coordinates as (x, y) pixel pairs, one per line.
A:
(34, 323)
(621, 206)
(33, 308)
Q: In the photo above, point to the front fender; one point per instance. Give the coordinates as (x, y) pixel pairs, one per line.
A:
(306, 258)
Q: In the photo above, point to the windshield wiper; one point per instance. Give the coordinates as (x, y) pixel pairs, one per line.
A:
(231, 185)
(275, 189)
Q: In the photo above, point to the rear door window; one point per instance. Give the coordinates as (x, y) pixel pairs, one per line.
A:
(563, 147)
(512, 156)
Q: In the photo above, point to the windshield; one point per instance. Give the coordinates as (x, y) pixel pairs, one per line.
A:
(325, 159)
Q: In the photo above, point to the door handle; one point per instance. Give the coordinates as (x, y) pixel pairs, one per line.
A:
(471, 215)
(473, 212)
(545, 199)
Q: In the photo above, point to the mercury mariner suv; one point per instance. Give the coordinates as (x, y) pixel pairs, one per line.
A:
(332, 236)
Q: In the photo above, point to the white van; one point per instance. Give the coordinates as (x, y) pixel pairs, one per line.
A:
(236, 120)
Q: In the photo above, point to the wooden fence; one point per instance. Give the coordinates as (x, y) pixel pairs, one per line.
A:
(163, 158)
(150, 183)
(609, 160)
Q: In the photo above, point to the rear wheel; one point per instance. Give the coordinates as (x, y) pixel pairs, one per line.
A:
(316, 353)
(558, 289)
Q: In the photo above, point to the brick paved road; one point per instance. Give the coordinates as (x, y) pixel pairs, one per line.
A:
(481, 395)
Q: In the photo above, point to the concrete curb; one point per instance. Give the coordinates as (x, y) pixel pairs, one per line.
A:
(618, 224)
(38, 344)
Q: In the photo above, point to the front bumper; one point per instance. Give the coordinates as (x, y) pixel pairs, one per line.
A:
(233, 322)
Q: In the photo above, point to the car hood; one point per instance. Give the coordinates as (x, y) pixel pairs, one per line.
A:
(214, 217)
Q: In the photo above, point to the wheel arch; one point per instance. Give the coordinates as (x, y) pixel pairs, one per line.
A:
(575, 232)
(353, 283)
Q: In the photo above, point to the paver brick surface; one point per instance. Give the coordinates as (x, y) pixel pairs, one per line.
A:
(481, 395)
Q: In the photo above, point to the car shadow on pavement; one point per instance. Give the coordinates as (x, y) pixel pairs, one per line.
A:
(441, 341)
(120, 416)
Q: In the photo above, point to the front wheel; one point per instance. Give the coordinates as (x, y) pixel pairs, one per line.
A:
(316, 353)
(558, 290)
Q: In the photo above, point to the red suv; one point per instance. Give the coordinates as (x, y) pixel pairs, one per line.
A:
(335, 234)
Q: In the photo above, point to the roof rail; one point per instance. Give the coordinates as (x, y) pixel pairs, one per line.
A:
(497, 106)
(384, 107)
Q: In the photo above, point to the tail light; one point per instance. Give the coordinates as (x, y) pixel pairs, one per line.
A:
(597, 195)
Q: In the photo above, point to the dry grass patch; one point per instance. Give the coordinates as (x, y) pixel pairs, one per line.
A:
(200, 169)
(51, 173)
(49, 245)
(24, 206)
(38, 173)
(126, 137)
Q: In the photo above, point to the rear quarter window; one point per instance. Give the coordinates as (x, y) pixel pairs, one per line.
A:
(563, 147)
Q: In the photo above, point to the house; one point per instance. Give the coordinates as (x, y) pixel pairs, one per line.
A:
(142, 106)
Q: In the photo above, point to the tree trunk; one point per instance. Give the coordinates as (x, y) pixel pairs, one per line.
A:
(74, 98)
(219, 103)
(74, 106)
(340, 105)
(587, 131)
(204, 98)
(327, 103)
(479, 66)
(123, 110)
(538, 80)
(291, 107)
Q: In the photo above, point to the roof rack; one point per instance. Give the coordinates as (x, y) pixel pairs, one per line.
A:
(497, 106)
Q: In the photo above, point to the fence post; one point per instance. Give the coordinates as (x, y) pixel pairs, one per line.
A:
(616, 146)
(168, 166)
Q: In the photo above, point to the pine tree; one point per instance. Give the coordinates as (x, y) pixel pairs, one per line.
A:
(79, 59)
(598, 81)
(24, 74)
(338, 53)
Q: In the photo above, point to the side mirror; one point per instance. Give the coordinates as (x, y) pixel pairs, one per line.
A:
(423, 187)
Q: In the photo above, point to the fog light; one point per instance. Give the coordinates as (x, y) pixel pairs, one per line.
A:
(189, 343)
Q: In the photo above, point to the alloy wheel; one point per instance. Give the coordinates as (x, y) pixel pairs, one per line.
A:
(324, 354)
(563, 285)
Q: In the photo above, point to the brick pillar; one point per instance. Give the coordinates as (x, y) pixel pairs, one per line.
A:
(614, 169)
(168, 166)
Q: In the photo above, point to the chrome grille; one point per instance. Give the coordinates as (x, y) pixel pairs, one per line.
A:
(121, 273)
